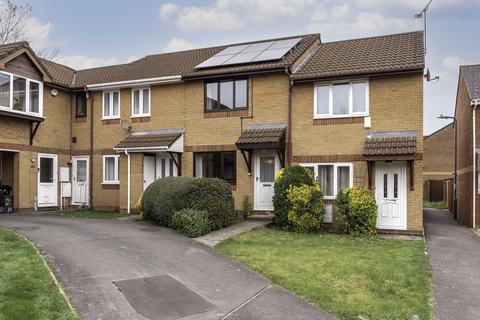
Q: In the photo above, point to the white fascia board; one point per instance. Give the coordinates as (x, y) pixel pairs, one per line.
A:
(139, 82)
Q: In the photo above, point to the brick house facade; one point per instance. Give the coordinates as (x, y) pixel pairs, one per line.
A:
(466, 110)
(119, 128)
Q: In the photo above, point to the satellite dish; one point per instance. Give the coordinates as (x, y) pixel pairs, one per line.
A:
(429, 77)
(126, 125)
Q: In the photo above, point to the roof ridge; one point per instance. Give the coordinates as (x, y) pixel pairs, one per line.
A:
(232, 44)
(109, 66)
(470, 65)
(374, 37)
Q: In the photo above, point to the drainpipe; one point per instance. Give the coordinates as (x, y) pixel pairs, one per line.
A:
(90, 164)
(474, 104)
(128, 181)
(289, 125)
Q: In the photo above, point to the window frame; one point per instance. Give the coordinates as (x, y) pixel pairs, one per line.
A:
(234, 181)
(218, 81)
(335, 174)
(116, 172)
(141, 114)
(27, 96)
(350, 114)
(111, 116)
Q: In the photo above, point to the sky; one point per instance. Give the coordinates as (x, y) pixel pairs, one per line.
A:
(97, 33)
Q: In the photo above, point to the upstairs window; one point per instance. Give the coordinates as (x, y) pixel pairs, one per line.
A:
(226, 95)
(141, 102)
(341, 99)
(111, 104)
(81, 105)
(20, 94)
(220, 165)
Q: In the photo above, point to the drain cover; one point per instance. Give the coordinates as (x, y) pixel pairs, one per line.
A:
(162, 298)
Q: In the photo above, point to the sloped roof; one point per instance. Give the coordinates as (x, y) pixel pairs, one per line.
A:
(471, 74)
(268, 134)
(381, 54)
(9, 48)
(163, 138)
(60, 73)
(381, 144)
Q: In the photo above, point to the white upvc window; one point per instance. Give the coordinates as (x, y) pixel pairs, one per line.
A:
(141, 102)
(111, 105)
(341, 99)
(111, 169)
(21, 95)
(331, 177)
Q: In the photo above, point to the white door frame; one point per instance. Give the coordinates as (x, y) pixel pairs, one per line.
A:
(402, 191)
(87, 182)
(54, 184)
(256, 180)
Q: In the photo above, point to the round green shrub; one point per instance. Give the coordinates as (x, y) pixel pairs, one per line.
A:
(357, 211)
(292, 176)
(214, 196)
(307, 208)
(164, 197)
(191, 222)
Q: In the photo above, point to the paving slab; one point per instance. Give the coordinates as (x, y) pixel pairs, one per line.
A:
(213, 238)
(454, 252)
(88, 256)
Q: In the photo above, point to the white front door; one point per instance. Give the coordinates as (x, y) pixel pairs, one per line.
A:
(80, 180)
(266, 167)
(148, 171)
(47, 180)
(391, 195)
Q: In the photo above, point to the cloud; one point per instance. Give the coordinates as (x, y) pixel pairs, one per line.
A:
(167, 10)
(453, 62)
(84, 62)
(177, 44)
(208, 18)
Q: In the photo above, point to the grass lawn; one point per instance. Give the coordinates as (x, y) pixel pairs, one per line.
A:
(27, 290)
(373, 278)
(435, 205)
(86, 213)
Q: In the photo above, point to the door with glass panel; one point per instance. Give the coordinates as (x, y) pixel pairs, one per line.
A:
(266, 167)
(391, 190)
(80, 180)
(47, 180)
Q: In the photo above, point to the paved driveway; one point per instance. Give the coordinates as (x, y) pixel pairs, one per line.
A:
(454, 252)
(93, 257)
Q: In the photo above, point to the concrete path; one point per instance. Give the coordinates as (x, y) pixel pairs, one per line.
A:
(454, 252)
(215, 237)
(95, 259)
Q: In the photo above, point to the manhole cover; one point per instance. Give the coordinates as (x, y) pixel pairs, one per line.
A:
(162, 298)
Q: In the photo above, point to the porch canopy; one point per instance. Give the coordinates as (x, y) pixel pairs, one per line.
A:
(390, 146)
(168, 140)
(262, 136)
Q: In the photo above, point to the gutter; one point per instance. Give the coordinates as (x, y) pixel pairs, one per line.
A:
(141, 149)
(139, 82)
(474, 104)
(128, 181)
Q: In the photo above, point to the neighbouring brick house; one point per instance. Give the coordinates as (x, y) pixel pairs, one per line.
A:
(468, 144)
(438, 162)
(351, 111)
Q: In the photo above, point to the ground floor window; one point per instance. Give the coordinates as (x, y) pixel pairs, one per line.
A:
(220, 165)
(331, 177)
(111, 170)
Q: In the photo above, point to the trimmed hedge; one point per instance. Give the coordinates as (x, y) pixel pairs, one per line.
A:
(164, 197)
(292, 176)
(214, 196)
(168, 195)
(306, 214)
(357, 211)
(191, 222)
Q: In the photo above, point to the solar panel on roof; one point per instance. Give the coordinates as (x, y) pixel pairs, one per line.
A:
(254, 52)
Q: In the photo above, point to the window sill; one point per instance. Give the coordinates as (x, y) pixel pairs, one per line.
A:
(339, 120)
(111, 183)
(21, 114)
(140, 116)
(110, 118)
(362, 115)
(225, 113)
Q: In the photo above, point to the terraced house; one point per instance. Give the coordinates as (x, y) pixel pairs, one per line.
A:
(350, 111)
